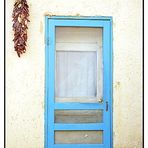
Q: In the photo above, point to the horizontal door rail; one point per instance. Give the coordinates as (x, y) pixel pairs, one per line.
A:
(89, 126)
(81, 23)
(70, 106)
(79, 146)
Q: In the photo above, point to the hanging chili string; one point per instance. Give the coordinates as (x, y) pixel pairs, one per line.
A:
(20, 21)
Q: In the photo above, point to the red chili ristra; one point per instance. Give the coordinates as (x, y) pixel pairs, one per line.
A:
(20, 21)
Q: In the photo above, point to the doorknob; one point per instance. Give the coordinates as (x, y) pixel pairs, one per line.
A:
(100, 100)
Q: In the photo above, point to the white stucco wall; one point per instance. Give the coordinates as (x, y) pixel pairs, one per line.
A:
(25, 75)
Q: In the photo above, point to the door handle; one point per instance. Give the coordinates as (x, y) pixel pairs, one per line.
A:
(106, 105)
(100, 100)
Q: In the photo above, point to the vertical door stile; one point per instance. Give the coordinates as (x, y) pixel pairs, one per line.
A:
(51, 78)
(107, 82)
(111, 82)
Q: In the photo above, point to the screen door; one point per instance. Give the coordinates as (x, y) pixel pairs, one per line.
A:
(78, 83)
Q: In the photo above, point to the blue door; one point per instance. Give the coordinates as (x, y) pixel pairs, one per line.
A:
(78, 90)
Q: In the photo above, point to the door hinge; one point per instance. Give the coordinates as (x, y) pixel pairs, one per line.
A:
(106, 105)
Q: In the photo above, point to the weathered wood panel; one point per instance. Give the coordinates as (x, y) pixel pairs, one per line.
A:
(78, 137)
(78, 116)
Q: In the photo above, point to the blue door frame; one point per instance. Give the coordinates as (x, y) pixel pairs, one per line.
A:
(50, 105)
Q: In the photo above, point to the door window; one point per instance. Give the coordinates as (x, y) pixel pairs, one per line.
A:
(78, 64)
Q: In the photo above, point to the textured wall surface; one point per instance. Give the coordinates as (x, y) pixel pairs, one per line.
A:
(25, 75)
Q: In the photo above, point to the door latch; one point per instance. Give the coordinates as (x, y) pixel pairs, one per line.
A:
(106, 105)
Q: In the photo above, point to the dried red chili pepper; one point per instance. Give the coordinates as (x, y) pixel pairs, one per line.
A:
(20, 21)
